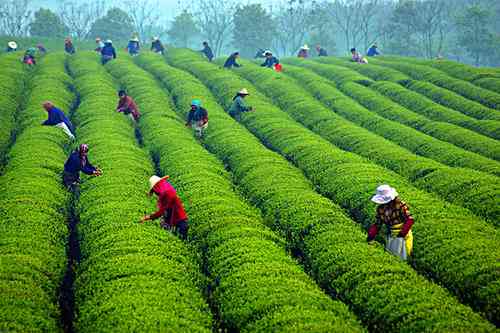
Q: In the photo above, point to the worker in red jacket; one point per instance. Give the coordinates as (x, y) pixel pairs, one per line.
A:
(127, 105)
(395, 215)
(170, 207)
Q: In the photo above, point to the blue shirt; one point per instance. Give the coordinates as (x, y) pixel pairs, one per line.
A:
(108, 50)
(133, 47)
(74, 165)
(56, 116)
(372, 51)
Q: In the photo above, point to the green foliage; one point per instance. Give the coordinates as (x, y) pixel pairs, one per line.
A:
(131, 277)
(456, 135)
(12, 84)
(116, 24)
(183, 29)
(251, 272)
(253, 29)
(341, 261)
(490, 83)
(435, 76)
(47, 24)
(476, 190)
(454, 101)
(33, 208)
(51, 44)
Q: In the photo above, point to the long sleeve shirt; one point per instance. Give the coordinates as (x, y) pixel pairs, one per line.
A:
(199, 114)
(169, 204)
(270, 62)
(74, 165)
(127, 105)
(231, 61)
(207, 51)
(372, 51)
(322, 53)
(56, 116)
(133, 47)
(239, 106)
(109, 51)
(69, 48)
(395, 215)
(157, 46)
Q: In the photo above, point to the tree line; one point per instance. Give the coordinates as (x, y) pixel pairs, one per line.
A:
(463, 30)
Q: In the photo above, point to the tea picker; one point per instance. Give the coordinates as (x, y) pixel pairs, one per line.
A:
(170, 208)
(58, 118)
(197, 116)
(76, 162)
(395, 214)
(127, 105)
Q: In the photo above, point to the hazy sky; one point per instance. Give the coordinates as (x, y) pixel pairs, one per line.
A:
(170, 8)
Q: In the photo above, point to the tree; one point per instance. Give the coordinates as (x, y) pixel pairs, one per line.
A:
(183, 29)
(116, 24)
(79, 16)
(47, 24)
(292, 23)
(347, 16)
(15, 17)
(474, 34)
(252, 29)
(401, 30)
(145, 15)
(321, 27)
(215, 19)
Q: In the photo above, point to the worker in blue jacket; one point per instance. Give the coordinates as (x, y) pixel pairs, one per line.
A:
(271, 60)
(207, 51)
(76, 162)
(231, 61)
(58, 118)
(108, 52)
(373, 51)
(133, 46)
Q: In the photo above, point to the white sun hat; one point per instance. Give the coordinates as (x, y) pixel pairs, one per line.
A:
(155, 38)
(12, 45)
(305, 47)
(109, 41)
(384, 194)
(155, 180)
(243, 91)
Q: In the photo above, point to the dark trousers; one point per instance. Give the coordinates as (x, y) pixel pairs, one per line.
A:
(181, 228)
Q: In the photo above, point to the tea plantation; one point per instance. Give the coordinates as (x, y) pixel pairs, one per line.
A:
(278, 202)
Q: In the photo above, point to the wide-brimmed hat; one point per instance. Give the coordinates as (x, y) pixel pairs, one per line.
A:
(305, 47)
(196, 102)
(266, 52)
(384, 194)
(108, 41)
(12, 44)
(134, 39)
(155, 180)
(243, 91)
(155, 38)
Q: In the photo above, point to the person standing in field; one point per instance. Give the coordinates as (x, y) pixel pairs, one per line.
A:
(395, 215)
(170, 208)
(11, 46)
(41, 49)
(127, 105)
(68, 46)
(58, 118)
(270, 61)
(133, 46)
(108, 52)
(231, 61)
(29, 57)
(99, 45)
(357, 57)
(157, 46)
(321, 51)
(207, 51)
(239, 106)
(303, 52)
(76, 162)
(198, 116)
(373, 51)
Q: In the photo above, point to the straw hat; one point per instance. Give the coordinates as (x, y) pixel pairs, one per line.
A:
(155, 180)
(384, 194)
(109, 41)
(196, 102)
(305, 47)
(134, 39)
(155, 38)
(243, 91)
(12, 45)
